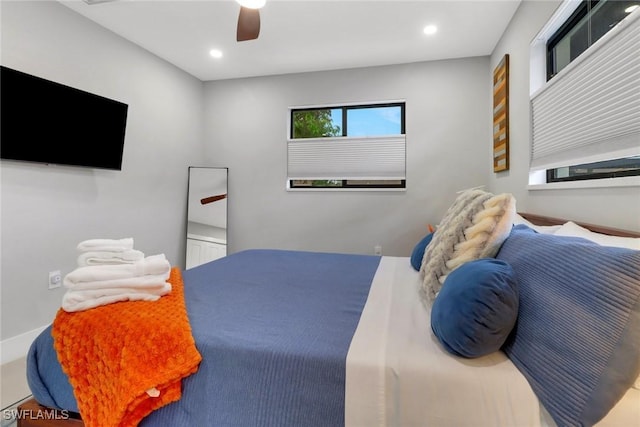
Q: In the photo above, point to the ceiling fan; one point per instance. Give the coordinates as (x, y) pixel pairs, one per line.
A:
(248, 19)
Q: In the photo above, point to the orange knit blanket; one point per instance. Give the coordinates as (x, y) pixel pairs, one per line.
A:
(115, 353)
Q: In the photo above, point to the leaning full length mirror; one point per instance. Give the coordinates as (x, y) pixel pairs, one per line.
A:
(206, 215)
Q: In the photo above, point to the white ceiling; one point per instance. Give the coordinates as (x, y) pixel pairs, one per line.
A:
(303, 35)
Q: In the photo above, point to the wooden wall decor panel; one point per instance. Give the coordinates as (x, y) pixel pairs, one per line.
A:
(501, 115)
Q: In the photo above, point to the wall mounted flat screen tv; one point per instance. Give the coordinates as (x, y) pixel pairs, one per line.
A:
(47, 122)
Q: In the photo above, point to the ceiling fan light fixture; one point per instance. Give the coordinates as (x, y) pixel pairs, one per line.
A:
(252, 4)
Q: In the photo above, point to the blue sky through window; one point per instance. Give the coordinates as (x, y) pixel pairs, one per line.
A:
(375, 121)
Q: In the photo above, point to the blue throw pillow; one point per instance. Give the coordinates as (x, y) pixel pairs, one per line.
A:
(576, 339)
(476, 308)
(418, 251)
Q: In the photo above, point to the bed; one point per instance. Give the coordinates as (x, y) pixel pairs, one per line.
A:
(300, 338)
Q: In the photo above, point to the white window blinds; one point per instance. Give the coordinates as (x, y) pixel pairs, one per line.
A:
(590, 111)
(368, 158)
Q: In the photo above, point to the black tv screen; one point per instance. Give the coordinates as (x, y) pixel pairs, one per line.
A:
(48, 122)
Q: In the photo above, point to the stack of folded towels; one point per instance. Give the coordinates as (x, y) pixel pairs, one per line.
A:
(110, 270)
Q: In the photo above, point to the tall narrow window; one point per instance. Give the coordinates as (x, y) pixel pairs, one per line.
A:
(354, 146)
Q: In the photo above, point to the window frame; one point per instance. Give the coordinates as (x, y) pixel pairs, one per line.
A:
(350, 183)
(345, 108)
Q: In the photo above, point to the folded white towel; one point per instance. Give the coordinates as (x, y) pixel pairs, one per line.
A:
(108, 258)
(82, 294)
(75, 300)
(111, 245)
(149, 281)
(155, 265)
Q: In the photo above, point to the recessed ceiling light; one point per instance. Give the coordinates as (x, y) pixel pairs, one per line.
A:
(430, 29)
(631, 8)
(216, 53)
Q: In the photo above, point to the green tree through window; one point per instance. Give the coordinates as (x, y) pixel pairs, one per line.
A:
(314, 124)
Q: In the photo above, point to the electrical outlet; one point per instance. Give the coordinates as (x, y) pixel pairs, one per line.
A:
(377, 250)
(55, 279)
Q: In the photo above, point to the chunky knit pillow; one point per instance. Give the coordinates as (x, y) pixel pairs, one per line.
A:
(474, 226)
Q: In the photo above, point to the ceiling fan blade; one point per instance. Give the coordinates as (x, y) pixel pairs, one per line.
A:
(212, 199)
(248, 24)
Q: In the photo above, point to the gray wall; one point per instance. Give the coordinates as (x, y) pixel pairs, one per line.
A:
(616, 207)
(447, 126)
(47, 210)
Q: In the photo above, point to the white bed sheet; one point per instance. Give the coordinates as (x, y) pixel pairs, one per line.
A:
(398, 375)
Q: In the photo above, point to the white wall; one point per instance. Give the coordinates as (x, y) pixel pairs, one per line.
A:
(47, 210)
(447, 126)
(616, 207)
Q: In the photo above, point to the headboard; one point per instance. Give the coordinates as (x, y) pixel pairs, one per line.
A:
(546, 220)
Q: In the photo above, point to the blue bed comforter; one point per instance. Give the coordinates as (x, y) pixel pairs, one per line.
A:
(274, 329)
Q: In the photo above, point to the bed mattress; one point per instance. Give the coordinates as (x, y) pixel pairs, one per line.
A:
(300, 338)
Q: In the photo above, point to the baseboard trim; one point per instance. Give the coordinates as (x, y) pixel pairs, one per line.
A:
(16, 347)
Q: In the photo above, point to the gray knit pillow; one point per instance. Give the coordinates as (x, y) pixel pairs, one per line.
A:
(474, 227)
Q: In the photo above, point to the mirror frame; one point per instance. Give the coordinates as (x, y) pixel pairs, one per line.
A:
(206, 239)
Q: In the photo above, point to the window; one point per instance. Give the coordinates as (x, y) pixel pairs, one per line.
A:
(629, 166)
(586, 118)
(588, 23)
(352, 146)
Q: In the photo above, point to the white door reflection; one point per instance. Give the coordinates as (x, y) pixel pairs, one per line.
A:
(206, 215)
